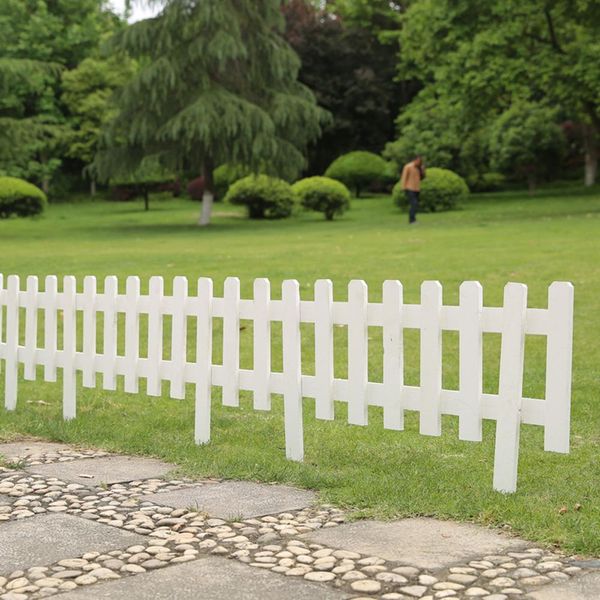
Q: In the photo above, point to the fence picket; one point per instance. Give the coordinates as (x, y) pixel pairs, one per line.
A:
(2, 302)
(31, 329)
(262, 345)
(393, 356)
(470, 361)
(155, 336)
(89, 332)
(558, 367)
(358, 357)
(50, 327)
(11, 369)
(231, 341)
(69, 347)
(292, 371)
(111, 289)
(132, 334)
(179, 338)
(203, 365)
(510, 389)
(431, 358)
(324, 372)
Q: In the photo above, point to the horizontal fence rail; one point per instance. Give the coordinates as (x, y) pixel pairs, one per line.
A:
(71, 342)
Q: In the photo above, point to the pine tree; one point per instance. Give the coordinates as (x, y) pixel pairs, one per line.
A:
(217, 84)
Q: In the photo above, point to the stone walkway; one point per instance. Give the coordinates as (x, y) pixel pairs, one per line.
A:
(84, 524)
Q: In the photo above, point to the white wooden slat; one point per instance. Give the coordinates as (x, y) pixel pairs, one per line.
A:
(510, 390)
(470, 361)
(231, 341)
(324, 373)
(292, 371)
(393, 356)
(132, 334)
(358, 354)
(431, 358)
(50, 326)
(69, 347)
(109, 351)
(204, 336)
(559, 358)
(88, 302)
(179, 337)
(262, 345)
(31, 328)
(11, 373)
(155, 335)
(2, 302)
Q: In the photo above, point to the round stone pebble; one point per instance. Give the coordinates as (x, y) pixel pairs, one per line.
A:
(367, 586)
(319, 576)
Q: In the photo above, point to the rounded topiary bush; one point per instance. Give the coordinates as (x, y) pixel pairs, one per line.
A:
(265, 197)
(20, 198)
(225, 175)
(324, 195)
(441, 189)
(358, 170)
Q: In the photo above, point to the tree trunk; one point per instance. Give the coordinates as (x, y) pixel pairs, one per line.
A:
(591, 154)
(208, 197)
(93, 188)
(531, 183)
(146, 199)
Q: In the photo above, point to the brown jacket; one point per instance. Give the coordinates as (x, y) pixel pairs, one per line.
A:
(411, 177)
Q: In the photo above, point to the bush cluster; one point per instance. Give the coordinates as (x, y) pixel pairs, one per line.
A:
(358, 170)
(20, 198)
(324, 195)
(486, 182)
(441, 189)
(225, 176)
(265, 197)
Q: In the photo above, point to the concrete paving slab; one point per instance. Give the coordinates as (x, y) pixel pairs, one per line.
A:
(209, 578)
(586, 587)
(16, 450)
(424, 543)
(235, 499)
(113, 469)
(44, 539)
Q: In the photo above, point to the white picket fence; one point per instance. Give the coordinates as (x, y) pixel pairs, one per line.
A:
(73, 314)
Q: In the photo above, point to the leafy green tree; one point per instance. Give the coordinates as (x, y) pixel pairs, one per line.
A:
(87, 94)
(352, 73)
(526, 140)
(217, 84)
(483, 56)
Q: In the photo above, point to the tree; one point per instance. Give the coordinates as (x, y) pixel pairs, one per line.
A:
(217, 84)
(87, 95)
(525, 139)
(485, 56)
(352, 73)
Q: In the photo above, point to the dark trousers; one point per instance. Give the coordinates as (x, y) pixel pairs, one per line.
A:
(413, 205)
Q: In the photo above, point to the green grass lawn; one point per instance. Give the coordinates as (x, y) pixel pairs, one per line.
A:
(494, 239)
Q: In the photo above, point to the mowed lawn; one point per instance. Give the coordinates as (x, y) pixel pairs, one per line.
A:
(554, 235)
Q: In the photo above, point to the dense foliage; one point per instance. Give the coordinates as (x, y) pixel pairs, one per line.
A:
(225, 175)
(265, 197)
(324, 195)
(441, 189)
(358, 170)
(20, 198)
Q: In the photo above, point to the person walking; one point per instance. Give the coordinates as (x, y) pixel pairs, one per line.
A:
(412, 175)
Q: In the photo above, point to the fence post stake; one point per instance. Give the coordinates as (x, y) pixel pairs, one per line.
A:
(324, 407)
(559, 357)
(262, 345)
(510, 390)
(393, 355)
(358, 353)
(179, 338)
(132, 334)
(471, 361)
(111, 288)
(31, 328)
(155, 336)
(204, 336)
(89, 332)
(12, 343)
(69, 347)
(231, 342)
(292, 371)
(50, 327)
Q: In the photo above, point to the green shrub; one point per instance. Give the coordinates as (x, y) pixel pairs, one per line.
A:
(358, 170)
(224, 176)
(324, 195)
(20, 198)
(441, 189)
(486, 182)
(265, 197)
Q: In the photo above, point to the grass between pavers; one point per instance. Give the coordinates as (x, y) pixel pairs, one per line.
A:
(494, 239)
